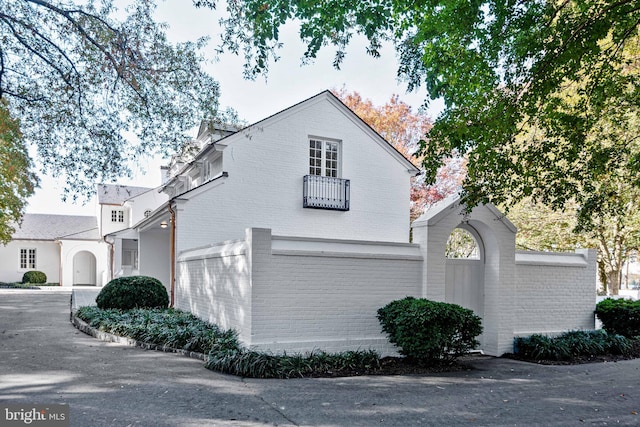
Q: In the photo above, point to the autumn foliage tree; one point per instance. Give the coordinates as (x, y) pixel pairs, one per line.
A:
(396, 122)
(18, 180)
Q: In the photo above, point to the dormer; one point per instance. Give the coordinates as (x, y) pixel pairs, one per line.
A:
(200, 160)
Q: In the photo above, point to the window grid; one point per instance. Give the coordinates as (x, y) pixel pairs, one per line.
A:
(315, 157)
(117, 216)
(331, 159)
(324, 158)
(27, 258)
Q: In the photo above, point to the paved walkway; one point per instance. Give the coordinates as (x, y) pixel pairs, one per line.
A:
(83, 296)
(43, 359)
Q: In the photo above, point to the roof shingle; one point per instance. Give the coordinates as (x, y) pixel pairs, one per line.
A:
(52, 227)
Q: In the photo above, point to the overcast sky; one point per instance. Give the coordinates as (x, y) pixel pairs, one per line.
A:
(288, 83)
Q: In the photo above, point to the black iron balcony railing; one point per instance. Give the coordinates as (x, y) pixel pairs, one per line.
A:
(322, 192)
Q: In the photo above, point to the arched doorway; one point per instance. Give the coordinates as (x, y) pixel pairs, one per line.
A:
(465, 270)
(84, 269)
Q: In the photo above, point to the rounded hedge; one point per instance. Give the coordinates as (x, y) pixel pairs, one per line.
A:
(430, 331)
(125, 293)
(34, 277)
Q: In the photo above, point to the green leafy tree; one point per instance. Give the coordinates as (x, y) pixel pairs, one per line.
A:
(502, 68)
(615, 235)
(18, 180)
(541, 96)
(96, 87)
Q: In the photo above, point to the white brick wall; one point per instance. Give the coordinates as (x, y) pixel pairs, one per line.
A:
(555, 292)
(266, 166)
(214, 283)
(523, 294)
(300, 294)
(298, 299)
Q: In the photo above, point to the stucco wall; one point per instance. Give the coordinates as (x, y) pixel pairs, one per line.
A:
(154, 256)
(47, 260)
(105, 220)
(70, 248)
(136, 206)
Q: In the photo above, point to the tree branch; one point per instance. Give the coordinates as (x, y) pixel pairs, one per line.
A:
(49, 62)
(67, 14)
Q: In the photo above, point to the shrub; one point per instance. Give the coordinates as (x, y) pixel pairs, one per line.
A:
(430, 331)
(181, 330)
(125, 293)
(34, 277)
(571, 345)
(256, 364)
(620, 316)
(173, 328)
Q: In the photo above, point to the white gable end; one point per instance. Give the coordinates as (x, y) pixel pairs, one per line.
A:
(266, 165)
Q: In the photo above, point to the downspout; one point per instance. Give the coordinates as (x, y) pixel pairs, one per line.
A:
(112, 252)
(172, 257)
(61, 265)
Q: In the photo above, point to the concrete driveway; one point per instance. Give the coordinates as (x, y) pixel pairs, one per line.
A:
(45, 360)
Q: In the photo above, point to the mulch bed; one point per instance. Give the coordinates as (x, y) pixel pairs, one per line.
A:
(403, 366)
(400, 366)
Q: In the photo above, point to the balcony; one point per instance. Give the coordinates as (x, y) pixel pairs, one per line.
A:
(321, 192)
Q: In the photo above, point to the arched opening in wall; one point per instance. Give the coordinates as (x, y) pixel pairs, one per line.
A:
(84, 269)
(462, 245)
(465, 268)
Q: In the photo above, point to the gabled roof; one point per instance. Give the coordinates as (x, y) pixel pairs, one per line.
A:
(114, 194)
(54, 227)
(283, 113)
(452, 206)
(327, 94)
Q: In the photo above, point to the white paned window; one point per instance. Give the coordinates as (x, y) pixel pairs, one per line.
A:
(324, 158)
(117, 215)
(27, 258)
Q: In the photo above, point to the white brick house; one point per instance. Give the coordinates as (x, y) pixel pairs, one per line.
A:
(295, 230)
(313, 170)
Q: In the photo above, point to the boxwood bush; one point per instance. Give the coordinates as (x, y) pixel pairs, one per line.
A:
(125, 293)
(34, 277)
(430, 331)
(620, 316)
